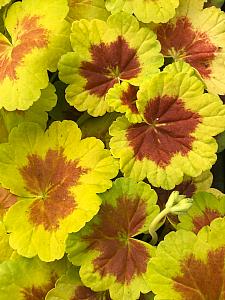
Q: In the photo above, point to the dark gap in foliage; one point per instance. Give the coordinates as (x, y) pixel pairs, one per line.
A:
(218, 172)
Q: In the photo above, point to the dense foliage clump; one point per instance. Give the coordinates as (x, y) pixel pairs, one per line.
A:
(112, 138)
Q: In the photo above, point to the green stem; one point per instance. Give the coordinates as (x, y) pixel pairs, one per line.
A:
(154, 226)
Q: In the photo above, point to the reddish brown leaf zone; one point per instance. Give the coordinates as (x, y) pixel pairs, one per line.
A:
(39, 292)
(84, 293)
(51, 179)
(202, 280)
(129, 98)
(205, 219)
(30, 35)
(182, 41)
(167, 131)
(7, 199)
(110, 62)
(120, 255)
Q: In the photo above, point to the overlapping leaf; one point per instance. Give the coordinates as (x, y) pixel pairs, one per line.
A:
(7, 199)
(36, 113)
(87, 9)
(198, 37)
(187, 266)
(206, 207)
(56, 176)
(97, 127)
(106, 53)
(39, 36)
(175, 136)
(159, 11)
(109, 255)
(69, 287)
(23, 279)
(4, 2)
(122, 98)
(5, 250)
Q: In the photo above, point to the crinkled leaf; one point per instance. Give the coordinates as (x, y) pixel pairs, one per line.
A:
(36, 113)
(175, 136)
(87, 9)
(109, 255)
(159, 11)
(106, 53)
(69, 287)
(198, 37)
(190, 7)
(56, 176)
(206, 207)
(26, 279)
(187, 266)
(39, 37)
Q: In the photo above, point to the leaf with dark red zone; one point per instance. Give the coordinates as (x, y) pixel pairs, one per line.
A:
(206, 208)
(30, 49)
(189, 266)
(109, 255)
(7, 199)
(28, 279)
(54, 177)
(176, 130)
(109, 53)
(122, 98)
(191, 36)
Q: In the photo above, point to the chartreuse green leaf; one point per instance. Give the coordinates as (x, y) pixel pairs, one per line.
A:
(217, 3)
(189, 266)
(23, 279)
(206, 207)
(39, 36)
(181, 67)
(69, 286)
(159, 11)
(106, 248)
(175, 137)
(7, 199)
(36, 113)
(5, 250)
(122, 98)
(56, 176)
(98, 126)
(221, 142)
(4, 2)
(197, 36)
(188, 187)
(106, 53)
(83, 9)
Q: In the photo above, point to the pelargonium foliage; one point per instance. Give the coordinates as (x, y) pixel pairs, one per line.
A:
(112, 126)
(53, 179)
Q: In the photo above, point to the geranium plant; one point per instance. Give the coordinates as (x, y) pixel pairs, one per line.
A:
(112, 138)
